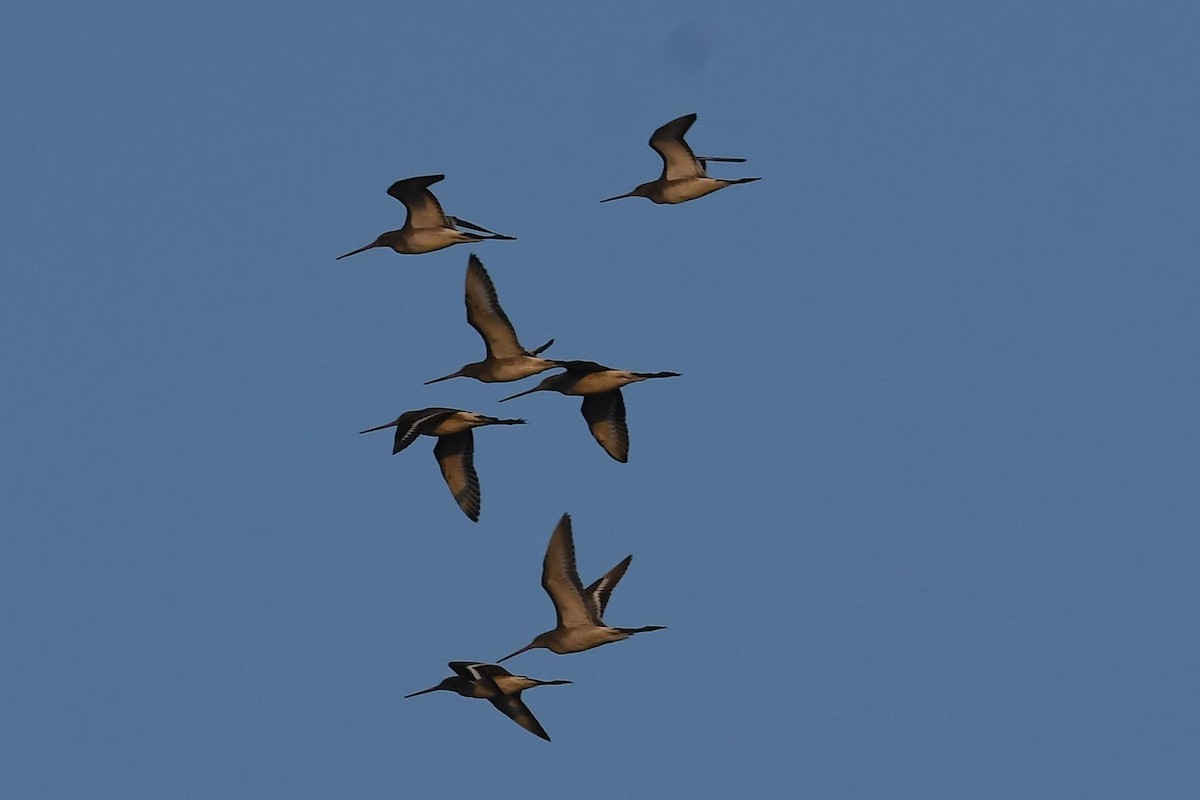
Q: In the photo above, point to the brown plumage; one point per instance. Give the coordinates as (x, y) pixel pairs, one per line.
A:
(579, 611)
(603, 406)
(498, 686)
(427, 227)
(684, 176)
(455, 448)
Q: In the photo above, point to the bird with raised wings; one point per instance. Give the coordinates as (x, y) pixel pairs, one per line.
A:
(506, 359)
(580, 611)
(684, 176)
(427, 227)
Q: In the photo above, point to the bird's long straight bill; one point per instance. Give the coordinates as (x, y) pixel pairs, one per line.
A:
(618, 197)
(519, 394)
(355, 252)
(423, 691)
(380, 427)
(510, 655)
(444, 378)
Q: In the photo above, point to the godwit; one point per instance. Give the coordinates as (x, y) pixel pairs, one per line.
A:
(683, 177)
(427, 227)
(506, 359)
(580, 626)
(498, 686)
(603, 406)
(455, 448)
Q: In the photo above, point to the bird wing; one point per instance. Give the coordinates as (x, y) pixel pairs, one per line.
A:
(424, 211)
(455, 455)
(411, 425)
(486, 316)
(560, 579)
(678, 160)
(491, 670)
(605, 415)
(583, 367)
(599, 592)
(511, 706)
(480, 678)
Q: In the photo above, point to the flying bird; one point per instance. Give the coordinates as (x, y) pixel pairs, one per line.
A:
(684, 176)
(603, 406)
(506, 359)
(455, 448)
(427, 227)
(498, 686)
(580, 625)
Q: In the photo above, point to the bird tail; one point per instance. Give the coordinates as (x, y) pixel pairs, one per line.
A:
(632, 631)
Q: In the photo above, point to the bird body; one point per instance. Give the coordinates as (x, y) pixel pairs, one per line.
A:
(455, 448)
(603, 405)
(684, 176)
(580, 611)
(506, 359)
(497, 685)
(427, 227)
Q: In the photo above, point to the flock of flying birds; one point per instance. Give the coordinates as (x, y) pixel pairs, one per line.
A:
(428, 228)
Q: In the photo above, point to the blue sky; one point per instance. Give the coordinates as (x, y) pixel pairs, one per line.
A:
(920, 516)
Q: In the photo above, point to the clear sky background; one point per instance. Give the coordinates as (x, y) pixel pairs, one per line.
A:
(921, 514)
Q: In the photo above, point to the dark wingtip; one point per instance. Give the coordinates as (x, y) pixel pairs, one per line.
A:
(470, 503)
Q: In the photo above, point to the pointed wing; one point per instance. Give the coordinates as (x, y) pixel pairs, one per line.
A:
(478, 671)
(560, 579)
(412, 423)
(598, 593)
(424, 211)
(459, 222)
(455, 455)
(486, 316)
(463, 668)
(511, 706)
(605, 415)
(480, 679)
(678, 160)
(492, 671)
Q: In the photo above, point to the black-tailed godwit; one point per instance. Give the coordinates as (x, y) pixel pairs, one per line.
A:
(498, 686)
(580, 611)
(427, 227)
(684, 176)
(603, 406)
(455, 448)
